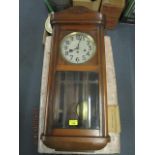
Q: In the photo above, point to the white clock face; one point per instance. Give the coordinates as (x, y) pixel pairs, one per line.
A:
(77, 47)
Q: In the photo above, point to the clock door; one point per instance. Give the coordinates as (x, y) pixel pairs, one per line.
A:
(76, 103)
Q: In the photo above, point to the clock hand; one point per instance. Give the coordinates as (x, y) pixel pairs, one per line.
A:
(77, 48)
(71, 50)
(74, 49)
(79, 42)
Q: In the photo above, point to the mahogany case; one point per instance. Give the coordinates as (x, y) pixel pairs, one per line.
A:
(76, 19)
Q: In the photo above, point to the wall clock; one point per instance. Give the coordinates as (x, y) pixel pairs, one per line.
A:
(76, 104)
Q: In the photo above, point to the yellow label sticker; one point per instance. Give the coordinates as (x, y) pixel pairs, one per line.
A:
(73, 122)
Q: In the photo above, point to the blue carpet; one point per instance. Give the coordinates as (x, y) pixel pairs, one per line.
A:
(123, 44)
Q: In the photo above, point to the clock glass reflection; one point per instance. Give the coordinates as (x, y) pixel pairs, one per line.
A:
(76, 101)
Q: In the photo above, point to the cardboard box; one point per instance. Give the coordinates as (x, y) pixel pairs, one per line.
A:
(93, 5)
(111, 22)
(112, 10)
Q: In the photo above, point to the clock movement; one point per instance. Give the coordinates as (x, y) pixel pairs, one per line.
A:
(76, 102)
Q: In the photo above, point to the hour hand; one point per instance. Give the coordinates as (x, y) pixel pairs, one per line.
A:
(70, 50)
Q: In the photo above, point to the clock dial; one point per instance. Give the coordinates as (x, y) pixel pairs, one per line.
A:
(77, 47)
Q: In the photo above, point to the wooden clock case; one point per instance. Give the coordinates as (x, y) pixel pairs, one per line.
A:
(77, 19)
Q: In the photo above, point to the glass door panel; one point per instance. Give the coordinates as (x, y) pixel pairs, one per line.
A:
(76, 103)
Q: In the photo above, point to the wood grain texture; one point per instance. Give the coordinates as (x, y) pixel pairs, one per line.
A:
(93, 24)
(75, 143)
(114, 145)
(77, 15)
(75, 132)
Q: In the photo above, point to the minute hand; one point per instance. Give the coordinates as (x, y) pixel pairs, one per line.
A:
(79, 42)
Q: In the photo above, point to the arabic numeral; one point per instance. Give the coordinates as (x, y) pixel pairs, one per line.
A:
(78, 37)
(72, 38)
(77, 59)
(67, 42)
(83, 38)
(88, 53)
(83, 57)
(71, 57)
(65, 47)
(66, 52)
(88, 42)
(90, 47)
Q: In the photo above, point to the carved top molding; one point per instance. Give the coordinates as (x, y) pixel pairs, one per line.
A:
(76, 15)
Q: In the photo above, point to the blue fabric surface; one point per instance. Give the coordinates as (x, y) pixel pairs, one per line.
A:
(123, 44)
